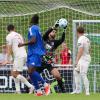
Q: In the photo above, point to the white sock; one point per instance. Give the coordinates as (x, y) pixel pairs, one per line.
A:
(86, 82)
(24, 80)
(17, 84)
(77, 81)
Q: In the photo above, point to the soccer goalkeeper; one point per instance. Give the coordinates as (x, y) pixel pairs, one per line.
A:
(51, 45)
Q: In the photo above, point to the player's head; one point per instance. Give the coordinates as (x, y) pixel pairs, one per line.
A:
(80, 30)
(64, 45)
(10, 27)
(52, 34)
(34, 20)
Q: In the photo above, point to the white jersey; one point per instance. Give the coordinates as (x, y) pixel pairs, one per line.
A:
(84, 42)
(13, 39)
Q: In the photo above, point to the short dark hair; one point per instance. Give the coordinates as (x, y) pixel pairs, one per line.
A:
(34, 20)
(10, 27)
(80, 30)
(55, 29)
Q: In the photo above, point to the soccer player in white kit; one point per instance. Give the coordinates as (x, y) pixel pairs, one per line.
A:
(13, 39)
(83, 60)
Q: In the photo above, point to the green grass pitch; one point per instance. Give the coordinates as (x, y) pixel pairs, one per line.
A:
(50, 97)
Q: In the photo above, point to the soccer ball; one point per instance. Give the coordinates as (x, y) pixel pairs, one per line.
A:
(63, 22)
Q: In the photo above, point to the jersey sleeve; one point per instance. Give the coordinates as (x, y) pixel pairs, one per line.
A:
(9, 40)
(58, 42)
(80, 43)
(32, 32)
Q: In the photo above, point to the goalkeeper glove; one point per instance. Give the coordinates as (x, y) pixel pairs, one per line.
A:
(56, 24)
(65, 28)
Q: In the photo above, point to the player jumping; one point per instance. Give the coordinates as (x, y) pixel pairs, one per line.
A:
(83, 60)
(51, 45)
(35, 52)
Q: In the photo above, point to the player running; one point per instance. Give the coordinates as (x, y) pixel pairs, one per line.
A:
(13, 39)
(51, 45)
(83, 60)
(35, 52)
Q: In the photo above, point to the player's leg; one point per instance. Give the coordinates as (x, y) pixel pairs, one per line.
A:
(35, 61)
(54, 72)
(57, 76)
(47, 64)
(35, 77)
(18, 67)
(19, 78)
(77, 80)
(16, 81)
(83, 71)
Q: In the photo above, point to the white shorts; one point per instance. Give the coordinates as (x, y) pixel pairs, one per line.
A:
(19, 64)
(84, 64)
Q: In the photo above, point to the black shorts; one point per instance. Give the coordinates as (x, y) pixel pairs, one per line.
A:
(49, 67)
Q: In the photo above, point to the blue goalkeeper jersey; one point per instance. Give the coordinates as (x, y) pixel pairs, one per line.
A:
(38, 46)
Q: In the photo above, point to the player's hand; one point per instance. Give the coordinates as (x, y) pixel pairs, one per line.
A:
(4, 62)
(77, 68)
(64, 29)
(56, 24)
(20, 45)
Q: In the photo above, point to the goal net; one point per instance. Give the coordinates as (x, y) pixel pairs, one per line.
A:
(19, 13)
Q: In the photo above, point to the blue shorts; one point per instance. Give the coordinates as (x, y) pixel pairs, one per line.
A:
(34, 60)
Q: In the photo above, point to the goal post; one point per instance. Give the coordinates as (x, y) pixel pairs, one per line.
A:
(92, 31)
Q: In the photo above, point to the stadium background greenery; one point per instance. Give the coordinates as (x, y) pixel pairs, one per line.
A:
(16, 13)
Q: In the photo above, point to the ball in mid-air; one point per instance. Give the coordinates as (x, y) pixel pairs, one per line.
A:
(63, 23)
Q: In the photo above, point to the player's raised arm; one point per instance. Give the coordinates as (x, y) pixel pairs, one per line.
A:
(54, 28)
(62, 23)
(60, 40)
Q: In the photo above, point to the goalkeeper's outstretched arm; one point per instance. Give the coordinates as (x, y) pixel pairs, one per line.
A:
(60, 41)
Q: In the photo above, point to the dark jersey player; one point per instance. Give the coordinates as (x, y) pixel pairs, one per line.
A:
(51, 45)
